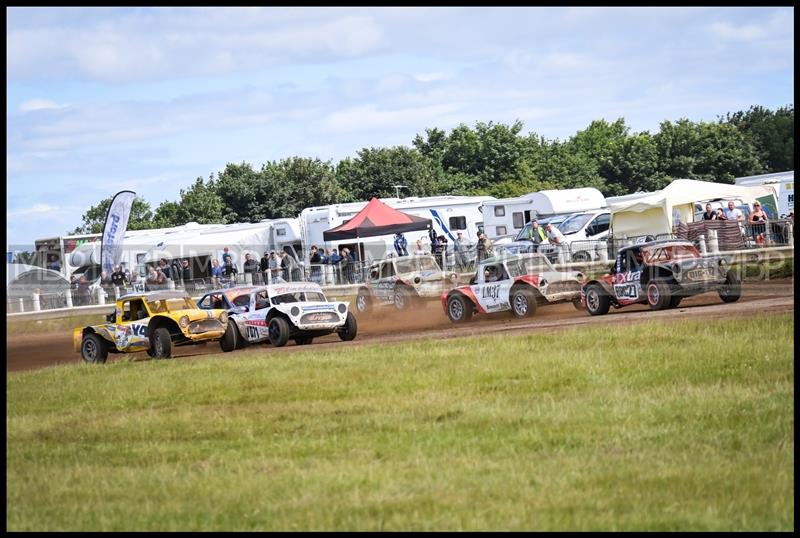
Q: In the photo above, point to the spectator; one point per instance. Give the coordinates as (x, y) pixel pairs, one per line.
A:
(460, 248)
(82, 293)
(152, 275)
(263, 263)
(55, 265)
(324, 256)
(250, 265)
(721, 214)
(186, 271)
(176, 269)
(758, 223)
(164, 266)
(105, 278)
(229, 270)
(733, 213)
(709, 213)
(537, 234)
(346, 266)
(484, 247)
(274, 264)
(285, 265)
(161, 277)
(226, 255)
(554, 235)
(420, 247)
(315, 260)
(440, 249)
(400, 244)
(216, 268)
(118, 277)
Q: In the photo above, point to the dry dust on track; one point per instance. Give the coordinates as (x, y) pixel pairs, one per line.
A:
(385, 325)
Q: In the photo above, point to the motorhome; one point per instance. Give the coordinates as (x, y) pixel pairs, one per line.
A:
(449, 214)
(782, 182)
(509, 215)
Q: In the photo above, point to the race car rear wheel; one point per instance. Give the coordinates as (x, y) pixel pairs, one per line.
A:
(658, 294)
(278, 332)
(94, 349)
(732, 289)
(459, 309)
(350, 329)
(230, 340)
(402, 298)
(523, 303)
(303, 340)
(162, 344)
(597, 300)
(362, 301)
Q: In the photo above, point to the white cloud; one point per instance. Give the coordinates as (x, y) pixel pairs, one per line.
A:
(371, 117)
(35, 209)
(744, 32)
(433, 77)
(39, 104)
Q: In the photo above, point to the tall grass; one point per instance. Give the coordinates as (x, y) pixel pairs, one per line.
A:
(678, 426)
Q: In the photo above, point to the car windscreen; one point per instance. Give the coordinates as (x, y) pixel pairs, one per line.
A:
(298, 297)
(528, 266)
(672, 252)
(171, 305)
(574, 223)
(409, 264)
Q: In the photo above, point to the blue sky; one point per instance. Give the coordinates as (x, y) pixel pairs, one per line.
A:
(148, 99)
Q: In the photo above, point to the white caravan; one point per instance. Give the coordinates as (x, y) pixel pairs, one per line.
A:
(782, 182)
(509, 215)
(449, 215)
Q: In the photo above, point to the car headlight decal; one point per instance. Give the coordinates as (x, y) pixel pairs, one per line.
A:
(184, 321)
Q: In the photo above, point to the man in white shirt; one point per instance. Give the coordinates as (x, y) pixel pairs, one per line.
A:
(554, 235)
(732, 213)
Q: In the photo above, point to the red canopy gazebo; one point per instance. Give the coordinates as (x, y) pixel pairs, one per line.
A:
(376, 218)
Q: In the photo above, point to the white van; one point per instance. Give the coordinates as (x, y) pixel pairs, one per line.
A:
(582, 231)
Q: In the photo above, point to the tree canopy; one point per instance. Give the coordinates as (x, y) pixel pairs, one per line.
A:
(489, 158)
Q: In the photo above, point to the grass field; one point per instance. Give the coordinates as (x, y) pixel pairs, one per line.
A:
(676, 426)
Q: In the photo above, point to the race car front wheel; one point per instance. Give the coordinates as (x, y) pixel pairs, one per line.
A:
(523, 303)
(350, 329)
(278, 332)
(402, 298)
(162, 344)
(732, 289)
(597, 300)
(94, 349)
(658, 294)
(230, 340)
(458, 309)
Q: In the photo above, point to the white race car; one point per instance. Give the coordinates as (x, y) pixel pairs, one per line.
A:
(279, 312)
(516, 283)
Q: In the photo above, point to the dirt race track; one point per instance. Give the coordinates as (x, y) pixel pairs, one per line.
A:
(26, 352)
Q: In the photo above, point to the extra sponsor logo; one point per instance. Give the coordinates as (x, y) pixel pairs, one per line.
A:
(317, 317)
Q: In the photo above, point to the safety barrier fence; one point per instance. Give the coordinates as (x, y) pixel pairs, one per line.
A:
(743, 242)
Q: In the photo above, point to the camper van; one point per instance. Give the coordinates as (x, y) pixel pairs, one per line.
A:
(782, 182)
(509, 215)
(448, 214)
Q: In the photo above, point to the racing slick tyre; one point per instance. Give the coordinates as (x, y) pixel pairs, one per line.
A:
(597, 300)
(362, 301)
(658, 294)
(230, 340)
(402, 298)
(350, 329)
(278, 332)
(523, 303)
(94, 349)
(303, 340)
(675, 301)
(161, 344)
(732, 289)
(459, 309)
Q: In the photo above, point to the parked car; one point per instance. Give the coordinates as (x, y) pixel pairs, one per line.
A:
(279, 312)
(403, 281)
(660, 274)
(152, 322)
(517, 283)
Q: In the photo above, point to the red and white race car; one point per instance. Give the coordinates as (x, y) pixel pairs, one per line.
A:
(516, 283)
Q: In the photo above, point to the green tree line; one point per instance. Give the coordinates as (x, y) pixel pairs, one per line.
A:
(487, 159)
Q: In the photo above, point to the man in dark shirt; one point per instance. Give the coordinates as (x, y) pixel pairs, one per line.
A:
(709, 214)
(118, 277)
